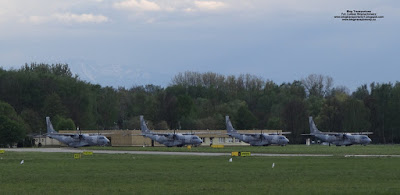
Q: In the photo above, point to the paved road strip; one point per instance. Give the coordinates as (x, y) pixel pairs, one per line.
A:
(72, 150)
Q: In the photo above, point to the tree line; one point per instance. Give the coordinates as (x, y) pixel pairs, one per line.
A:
(193, 100)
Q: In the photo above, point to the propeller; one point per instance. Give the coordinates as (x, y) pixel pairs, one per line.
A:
(174, 135)
(261, 135)
(98, 133)
(342, 135)
(79, 133)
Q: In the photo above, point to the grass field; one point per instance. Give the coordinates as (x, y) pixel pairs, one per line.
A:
(289, 149)
(60, 173)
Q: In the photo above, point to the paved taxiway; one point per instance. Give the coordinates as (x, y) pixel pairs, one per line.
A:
(73, 150)
(371, 156)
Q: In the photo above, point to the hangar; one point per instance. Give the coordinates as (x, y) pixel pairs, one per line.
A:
(41, 140)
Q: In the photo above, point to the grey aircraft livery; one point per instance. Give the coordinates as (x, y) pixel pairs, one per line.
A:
(75, 139)
(256, 139)
(339, 139)
(170, 139)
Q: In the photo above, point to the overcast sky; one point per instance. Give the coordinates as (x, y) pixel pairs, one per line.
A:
(136, 42)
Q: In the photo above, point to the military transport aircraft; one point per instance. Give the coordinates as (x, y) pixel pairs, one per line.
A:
(339, 139)
(256, 139)
(75, 139)
(170, 139)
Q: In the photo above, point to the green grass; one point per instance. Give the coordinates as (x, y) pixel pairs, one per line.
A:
(59, 173)
(289, 149)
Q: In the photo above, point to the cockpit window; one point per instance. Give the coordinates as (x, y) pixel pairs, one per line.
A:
(194, 137)
(101, 138)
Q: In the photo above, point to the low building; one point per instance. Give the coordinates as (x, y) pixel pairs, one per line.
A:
(45, 141)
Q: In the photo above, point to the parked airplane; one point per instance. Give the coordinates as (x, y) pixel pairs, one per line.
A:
(256, 139)
(170, 139)
(76, 139)
(339, 139)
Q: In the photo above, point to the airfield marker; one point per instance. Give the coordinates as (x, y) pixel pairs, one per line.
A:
(77, 156)
(273, 165)
(87, 153)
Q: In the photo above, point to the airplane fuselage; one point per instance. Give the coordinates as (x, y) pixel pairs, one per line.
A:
(80, 140)
(175, 139)
(261, 139)
(343, 139)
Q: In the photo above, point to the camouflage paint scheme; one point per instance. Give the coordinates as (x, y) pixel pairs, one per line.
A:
(75, 140)
(256, 139)
(169, 139)
(338, 139)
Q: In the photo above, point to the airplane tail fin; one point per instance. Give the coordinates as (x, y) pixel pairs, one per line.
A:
(50, 128)
(229, 127)
(143, 125)
(313, 127)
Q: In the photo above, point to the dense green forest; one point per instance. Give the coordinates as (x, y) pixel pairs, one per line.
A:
(193, 101)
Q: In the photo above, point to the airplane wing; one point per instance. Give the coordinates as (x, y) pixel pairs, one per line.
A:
(260, 136)
(348, 133)
(75, 134)
(362, 133)
(250, 134)
(203, 133)
(341, 133)
(100, 133)
(332, 133)
(246, 134)
(163, 134)
(256, 135)
(167, 135)
(63, 134)
(72, 135)
(282, 133)
(159, 134)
